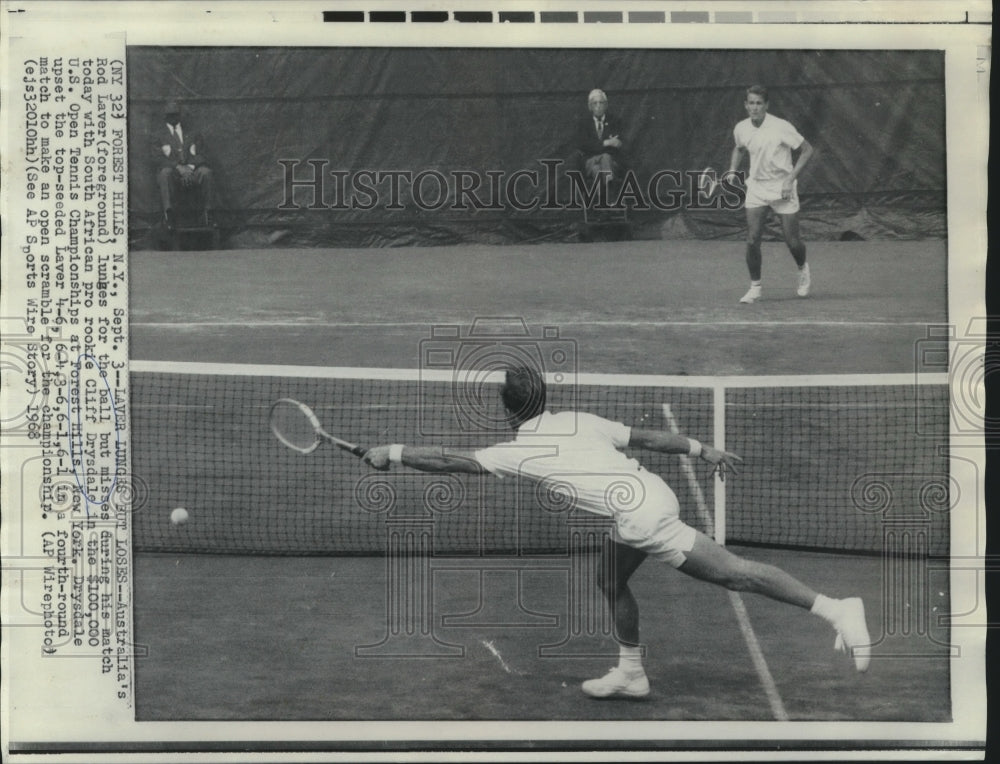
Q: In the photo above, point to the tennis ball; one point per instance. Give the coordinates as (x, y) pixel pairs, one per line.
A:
(179, 516)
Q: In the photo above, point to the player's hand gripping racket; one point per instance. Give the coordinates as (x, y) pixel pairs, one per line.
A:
(295, 425)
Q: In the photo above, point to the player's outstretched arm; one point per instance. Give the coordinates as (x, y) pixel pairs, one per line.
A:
(423, 458)
(675, 443)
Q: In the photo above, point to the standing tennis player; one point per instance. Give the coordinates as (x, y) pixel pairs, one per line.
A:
(771, 183)
(579, 454)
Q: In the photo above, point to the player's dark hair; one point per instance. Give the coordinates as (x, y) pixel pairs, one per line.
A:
(523, 394)
(757, 90)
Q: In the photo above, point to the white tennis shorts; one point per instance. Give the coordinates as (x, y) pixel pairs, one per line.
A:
(655, 526)
(768, 194)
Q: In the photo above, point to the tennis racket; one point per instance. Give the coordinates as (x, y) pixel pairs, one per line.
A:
(708, 182)
(296, 426)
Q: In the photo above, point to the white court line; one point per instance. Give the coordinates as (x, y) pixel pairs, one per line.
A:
(757, 656)
(496, 654)
(746, 628)
(305, 323)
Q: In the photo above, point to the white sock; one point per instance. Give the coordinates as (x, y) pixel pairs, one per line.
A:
(630, 659)
(826, 608)
(754, 283)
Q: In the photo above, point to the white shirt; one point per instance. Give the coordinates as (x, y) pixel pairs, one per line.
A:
(178, 133)
(575, 454)
(770, 147)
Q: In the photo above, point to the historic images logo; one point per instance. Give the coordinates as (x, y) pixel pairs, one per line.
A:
(311, 185)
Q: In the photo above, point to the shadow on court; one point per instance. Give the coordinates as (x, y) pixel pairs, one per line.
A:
(275, 638)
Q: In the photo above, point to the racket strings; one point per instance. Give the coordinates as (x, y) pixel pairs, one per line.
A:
(293, 426)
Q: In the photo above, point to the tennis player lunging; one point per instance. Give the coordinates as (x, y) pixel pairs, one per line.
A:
(578, 454)
(771, 183)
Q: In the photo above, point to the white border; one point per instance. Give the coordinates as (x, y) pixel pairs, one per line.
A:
(299, 24)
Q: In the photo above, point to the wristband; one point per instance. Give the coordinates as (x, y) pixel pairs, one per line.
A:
(396, 453)
(694, 447)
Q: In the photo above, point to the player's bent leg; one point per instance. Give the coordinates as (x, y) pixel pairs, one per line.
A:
(618, 563)
(790, 229)
(628, 678)
(755, 229)
(793, 238)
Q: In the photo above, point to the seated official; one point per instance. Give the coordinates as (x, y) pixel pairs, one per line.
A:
(181, 166)
(599, 139)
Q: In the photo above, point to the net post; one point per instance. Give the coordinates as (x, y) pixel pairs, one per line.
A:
(719, 441)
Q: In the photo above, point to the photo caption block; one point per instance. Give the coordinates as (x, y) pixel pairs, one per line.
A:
(67, 488)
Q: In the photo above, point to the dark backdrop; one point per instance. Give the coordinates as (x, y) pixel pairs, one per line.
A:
(876, 119)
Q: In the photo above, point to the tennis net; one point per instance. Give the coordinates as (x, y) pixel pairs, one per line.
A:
(200, 439)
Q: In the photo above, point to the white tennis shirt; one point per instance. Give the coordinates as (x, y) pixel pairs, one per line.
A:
(770, 147)
(577, 455)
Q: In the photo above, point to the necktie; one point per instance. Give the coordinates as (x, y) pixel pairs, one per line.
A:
(600, 128)
(178, 141)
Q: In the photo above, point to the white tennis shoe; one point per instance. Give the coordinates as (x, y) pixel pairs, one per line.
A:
(804, 281)
(752, 295)
(617, 682)
(852, 632)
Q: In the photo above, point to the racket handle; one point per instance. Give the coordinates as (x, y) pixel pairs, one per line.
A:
(343, 445)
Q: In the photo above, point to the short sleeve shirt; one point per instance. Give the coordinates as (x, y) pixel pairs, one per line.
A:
(770, 147)
(577, 455)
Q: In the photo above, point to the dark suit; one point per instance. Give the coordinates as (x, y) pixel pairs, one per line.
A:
(170, 153)
(590, 147)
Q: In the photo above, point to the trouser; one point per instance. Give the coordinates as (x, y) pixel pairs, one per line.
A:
(170, 185)
(600, 164)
